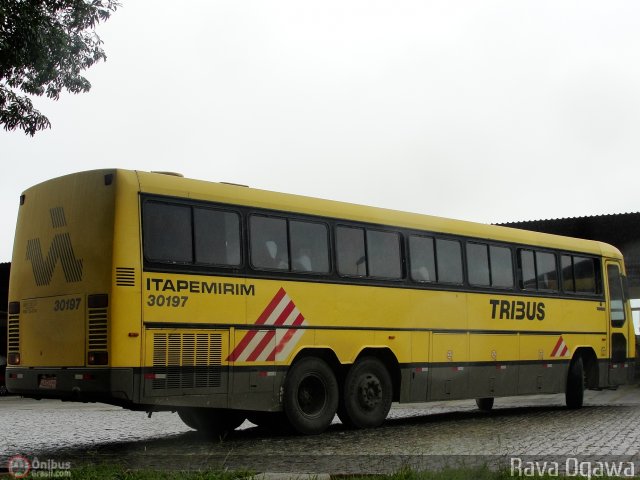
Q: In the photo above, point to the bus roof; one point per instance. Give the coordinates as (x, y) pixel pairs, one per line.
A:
(177, 186)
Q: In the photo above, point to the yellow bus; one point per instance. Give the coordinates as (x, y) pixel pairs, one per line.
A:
(222, 302)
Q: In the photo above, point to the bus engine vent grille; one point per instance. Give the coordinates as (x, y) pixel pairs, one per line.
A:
(187, 360)
(125, 277)
(14, 333)
(98, 338)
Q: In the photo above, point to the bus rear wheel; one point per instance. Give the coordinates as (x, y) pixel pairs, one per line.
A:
(310, 396)
(574, 394)
(368, 393)
(212, 422)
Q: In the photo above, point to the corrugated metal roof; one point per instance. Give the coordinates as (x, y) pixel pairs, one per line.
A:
(585, 217)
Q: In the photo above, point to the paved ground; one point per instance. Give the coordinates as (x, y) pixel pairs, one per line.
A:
(418, 435)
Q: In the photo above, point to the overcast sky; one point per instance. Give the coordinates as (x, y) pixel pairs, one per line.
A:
(479, 110)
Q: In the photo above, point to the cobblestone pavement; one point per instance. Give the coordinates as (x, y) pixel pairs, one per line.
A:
(417, 435)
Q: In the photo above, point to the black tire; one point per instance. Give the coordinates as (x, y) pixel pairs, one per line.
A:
(485, 404)
(574, 394)
(368, 393)
(211, 422)
(310, 396)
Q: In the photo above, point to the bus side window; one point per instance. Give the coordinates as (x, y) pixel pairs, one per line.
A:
(422, 259)
(383, 254)
(585, 274)
(578, 274)
(217, 237)
(546, 270)
(350, 251)
(166, 230)
(478, 264)
(566, 271)
(309, 246)
(528, 270)
(268, 243)
(501, 266)
(449, 261)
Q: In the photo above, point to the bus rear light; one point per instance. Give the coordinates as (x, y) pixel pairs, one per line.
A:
(98, 300)
(14, 308)
(98, 358)
(83, 376)
(13, 359)
(155, 376)
(16, 376)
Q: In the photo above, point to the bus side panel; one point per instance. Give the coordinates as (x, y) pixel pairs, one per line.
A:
(494, 365)
(449, 370)
(186, 367)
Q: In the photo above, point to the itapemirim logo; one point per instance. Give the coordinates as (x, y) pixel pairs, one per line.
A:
(60, 249)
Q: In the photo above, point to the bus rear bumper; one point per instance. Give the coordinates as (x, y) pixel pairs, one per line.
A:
(107, 385)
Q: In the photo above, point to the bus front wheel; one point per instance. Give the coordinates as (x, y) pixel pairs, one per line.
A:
(212, 422)
(310, 396)
(574, 394)
(368, 393)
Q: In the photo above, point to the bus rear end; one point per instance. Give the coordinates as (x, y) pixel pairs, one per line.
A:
(59, 292)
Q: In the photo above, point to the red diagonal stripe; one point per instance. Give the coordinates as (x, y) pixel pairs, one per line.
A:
(261, 319)
(564, 351)
(267, 338)
(287, 336)
(261, 346)
(271, 307)
(555, 349)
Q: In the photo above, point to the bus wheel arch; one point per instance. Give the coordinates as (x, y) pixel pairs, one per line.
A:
(310, 393)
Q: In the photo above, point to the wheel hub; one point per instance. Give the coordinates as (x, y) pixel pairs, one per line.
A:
(370, 392)
(311, 395)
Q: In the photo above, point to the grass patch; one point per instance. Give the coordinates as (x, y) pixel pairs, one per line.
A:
(113, 472)
(480, 473)
(116, 472)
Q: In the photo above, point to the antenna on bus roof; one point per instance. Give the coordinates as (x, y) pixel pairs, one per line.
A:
(174, 174)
